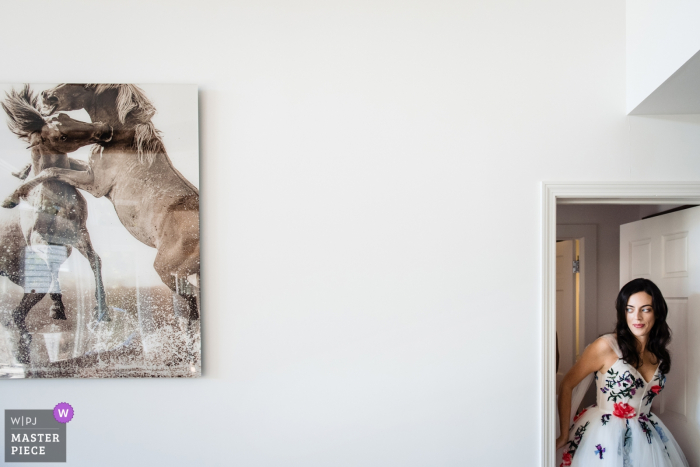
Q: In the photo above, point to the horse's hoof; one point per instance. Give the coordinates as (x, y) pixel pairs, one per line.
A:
(10, 202)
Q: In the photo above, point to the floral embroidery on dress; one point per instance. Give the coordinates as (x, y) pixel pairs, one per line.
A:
(605, 418)
(651, 393)
(573, 444)
(645, 428)
(599, 450)
(658, 429)
(623, 410)
(621, 386)
(578, 415)
(627, 446)
(656, 389)
(661, 378)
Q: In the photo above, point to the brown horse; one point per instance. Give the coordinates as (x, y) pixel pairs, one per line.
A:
(155, 203)
(56, 222)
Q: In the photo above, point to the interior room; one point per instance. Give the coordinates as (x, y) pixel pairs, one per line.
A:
(601, 247)
(596, 228)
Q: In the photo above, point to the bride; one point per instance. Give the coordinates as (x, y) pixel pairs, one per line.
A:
(630, 368)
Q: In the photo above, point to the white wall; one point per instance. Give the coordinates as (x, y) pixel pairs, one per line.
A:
(661, 38)
(370, 214)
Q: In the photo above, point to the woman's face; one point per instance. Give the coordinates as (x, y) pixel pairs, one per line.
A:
(640, 314)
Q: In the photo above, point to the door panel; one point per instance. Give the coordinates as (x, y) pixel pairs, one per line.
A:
(566, 323)
(673, 397)
(674, 249)
(640, 258)
(665, 249)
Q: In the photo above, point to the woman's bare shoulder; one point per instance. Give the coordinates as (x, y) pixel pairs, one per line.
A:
(597, 356)
(600, 349)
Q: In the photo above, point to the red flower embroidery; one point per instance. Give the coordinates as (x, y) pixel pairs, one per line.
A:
(566, 457)
(656, 389)
(579, 414)
(623, 410)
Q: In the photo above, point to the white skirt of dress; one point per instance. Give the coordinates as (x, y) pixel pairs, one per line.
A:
(602, 439)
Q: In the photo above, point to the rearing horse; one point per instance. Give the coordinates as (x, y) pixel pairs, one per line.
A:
(155, 203)
(56, 220)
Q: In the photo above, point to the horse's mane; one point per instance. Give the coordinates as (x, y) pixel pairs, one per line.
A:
(131, 101)
(22, 109)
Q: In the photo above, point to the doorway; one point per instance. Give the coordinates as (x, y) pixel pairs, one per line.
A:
(585, 308)
(624, 193)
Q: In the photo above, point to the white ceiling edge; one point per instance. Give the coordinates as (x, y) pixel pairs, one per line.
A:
(679, 94)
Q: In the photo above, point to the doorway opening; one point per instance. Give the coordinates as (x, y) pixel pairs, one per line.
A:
(588, 250)
(641, 199)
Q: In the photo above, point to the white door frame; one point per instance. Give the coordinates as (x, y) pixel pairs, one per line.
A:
(554, 193)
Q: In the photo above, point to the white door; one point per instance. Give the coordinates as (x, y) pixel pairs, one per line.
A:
(665, 249)
(566, 323)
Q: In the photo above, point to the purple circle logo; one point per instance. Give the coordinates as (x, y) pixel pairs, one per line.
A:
(63, 412)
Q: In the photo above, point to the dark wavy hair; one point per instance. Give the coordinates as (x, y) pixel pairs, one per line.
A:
(660, 335)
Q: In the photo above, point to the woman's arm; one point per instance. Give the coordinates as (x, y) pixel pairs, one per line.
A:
(594, 358)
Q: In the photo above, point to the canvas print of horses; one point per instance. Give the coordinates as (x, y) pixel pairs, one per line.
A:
(99, 231)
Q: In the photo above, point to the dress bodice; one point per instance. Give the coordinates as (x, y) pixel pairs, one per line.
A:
(620, 430)
(622, 390)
